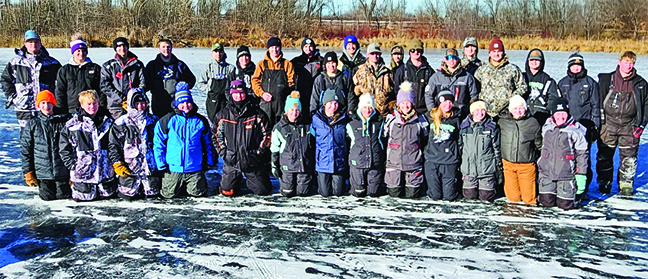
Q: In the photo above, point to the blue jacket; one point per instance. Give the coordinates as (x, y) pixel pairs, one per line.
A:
(182, 142)
(330, 143)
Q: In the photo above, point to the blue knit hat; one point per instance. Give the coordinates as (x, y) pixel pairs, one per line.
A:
(293, 101)
(182, 94)
(351, 39)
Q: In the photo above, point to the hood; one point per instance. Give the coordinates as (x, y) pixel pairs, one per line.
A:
(542, 63)
(502, 64)
(446, 70)
(174, 59)
(576, 77)
(249, 68)
(132, 111)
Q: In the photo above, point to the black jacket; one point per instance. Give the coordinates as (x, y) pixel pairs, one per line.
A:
(541, 89)
(293, 147)
(118, 77)
(73, 78)
(161, 78)
(444, 147)
(640, 93)
(582, 93)
(521, 139)
(39, 146)
(340, 82)
(366, 150)
(419, 77)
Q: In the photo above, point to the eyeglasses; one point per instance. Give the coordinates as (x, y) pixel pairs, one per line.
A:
(451, 57)
(416, 50)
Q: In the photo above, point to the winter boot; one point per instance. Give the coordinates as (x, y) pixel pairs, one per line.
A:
(626, 189)
(605, 187)
(626, 175)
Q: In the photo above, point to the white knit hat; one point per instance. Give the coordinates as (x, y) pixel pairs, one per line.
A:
(516, 101)
(366, 100)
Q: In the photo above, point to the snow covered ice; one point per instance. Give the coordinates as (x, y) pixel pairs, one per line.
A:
(314, 237)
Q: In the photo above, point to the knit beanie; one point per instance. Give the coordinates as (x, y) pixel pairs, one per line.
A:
(575, 59)
(496, 44)
(242, 50)
(274, 41)
(366, 100)
(330, 56)
(515, 102)
(559, 104)
(329, 95)
(470, 41)
(292, 101)
(478, 104)
(120, 41)
(45, 95)
(351, 39)
(308, 41)
(405, 93)
(77, 44)
(415, 44)
(445, 95)
(237, 86)
(182, 94)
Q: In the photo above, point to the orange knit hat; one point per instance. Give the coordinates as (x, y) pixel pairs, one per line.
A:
(45, 95)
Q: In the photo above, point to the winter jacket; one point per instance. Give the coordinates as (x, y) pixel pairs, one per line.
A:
(541, 88)
(245, 74)
(405, 141)
(564, 151)
(39, 146)
(444, 147)
(182, 142)
(419, 77)
(480, 147)
(307, 68)
(366, 150)
(118, 77)
(26, 75)
(582, 93)
(340, 82)
(499, 84)
(74, 78)
(161, 78)
(640, 90)
(471, 65)
(84, 147)
(330, 142)
(378, 82)
(292, 148)
(215, 79)
(461, 83)
(131, 138)
(259, 85)
(521, 139)
(349, 65)
(242, 137)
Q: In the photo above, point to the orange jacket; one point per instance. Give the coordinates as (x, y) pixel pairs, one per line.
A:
(258, 72)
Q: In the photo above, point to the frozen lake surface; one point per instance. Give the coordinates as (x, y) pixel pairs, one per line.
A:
(314, 237)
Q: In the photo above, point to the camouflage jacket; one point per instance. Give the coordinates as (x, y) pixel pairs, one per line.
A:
(499, 84)
(377, 82)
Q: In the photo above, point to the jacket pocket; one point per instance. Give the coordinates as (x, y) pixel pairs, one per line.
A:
(84, 141)
(86, 165)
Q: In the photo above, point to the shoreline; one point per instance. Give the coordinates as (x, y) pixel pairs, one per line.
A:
(511, 43)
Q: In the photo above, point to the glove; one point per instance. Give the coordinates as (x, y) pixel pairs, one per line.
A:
(30, 179)
(637, 132)
(124, 105)
(121, 169)
(581, 183)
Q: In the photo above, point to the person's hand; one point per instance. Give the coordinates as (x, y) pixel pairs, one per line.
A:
(637, 132)
(30, 179)
(267, 97)
(581, 183)
(121, 169)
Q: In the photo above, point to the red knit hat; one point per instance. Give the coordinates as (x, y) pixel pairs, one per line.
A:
(45, 95)
(496, 44)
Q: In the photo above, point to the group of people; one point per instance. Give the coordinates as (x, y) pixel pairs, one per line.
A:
(403, 128)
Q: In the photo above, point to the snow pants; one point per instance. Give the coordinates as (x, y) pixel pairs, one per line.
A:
(331, 184)
(258, 181)
(49, 190)
(365, 182)
(442, 181)
(557, 192)
(295, 184)
(611, 137)
(482, 188)
(411, 181)
(194, 182)
(520, 182)
(89, 191)
(132, 185)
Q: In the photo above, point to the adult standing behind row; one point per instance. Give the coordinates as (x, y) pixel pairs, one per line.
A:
(27, 74)
(332, 78)
(454, 78)
(78, 75)
(470, 61)
(375, 78)
(119, 75)
(307, 67)
(272, 81)
(417, 71)
(215, 80)
(162, 75)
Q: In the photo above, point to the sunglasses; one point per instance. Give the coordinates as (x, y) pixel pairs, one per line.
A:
(416, 50)
(451, 57)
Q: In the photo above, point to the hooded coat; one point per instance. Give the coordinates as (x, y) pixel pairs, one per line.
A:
(349, 64)
(39, 146)
(521, 139)
(405, 141)
(480, 147)
(366, 150)
(461, 83)
(564, 151)
(27, 75)
(541, 88)
(582, 93)
(444, 147)
(74, 78)
(161, 78)
(640, 92)
(330, 142)
(292, 148)
(117, 78)
(307, 68)
(340, 82)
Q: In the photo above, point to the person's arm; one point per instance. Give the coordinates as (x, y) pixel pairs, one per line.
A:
(315, 94)
(203, 80)
(27, 148)
(210, 154)
(256, 80)
(107, 87)
(160, 138)
(595, 103)
(265, 133)
(290, 74)
(141, 75)
(581, 154)
(472, 87)
(8, 84)
(116, 143)
(187, 75)
(352, 98)
(61, 90)
(430, 93)
(520, 83)
(276, 147)
(66, 149)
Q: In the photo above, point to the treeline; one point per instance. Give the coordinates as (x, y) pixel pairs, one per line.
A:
(252, 21)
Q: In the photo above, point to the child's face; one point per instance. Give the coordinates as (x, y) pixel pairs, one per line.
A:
(292, 114)
(405, 107)
(238, 96)
(479, 114)
(366, 111)
(331, 67)
(90, 107)
(518, 112)
(446, 106)
(185, 107)
(560, 117)
(330, 108)
(534, 64)
(46, 107)
(140, 106)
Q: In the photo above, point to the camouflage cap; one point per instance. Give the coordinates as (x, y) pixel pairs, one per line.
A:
(415, 44)
(397, 50)
(217, 46)
(452, 52)
(373, 48)
(470, 41)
